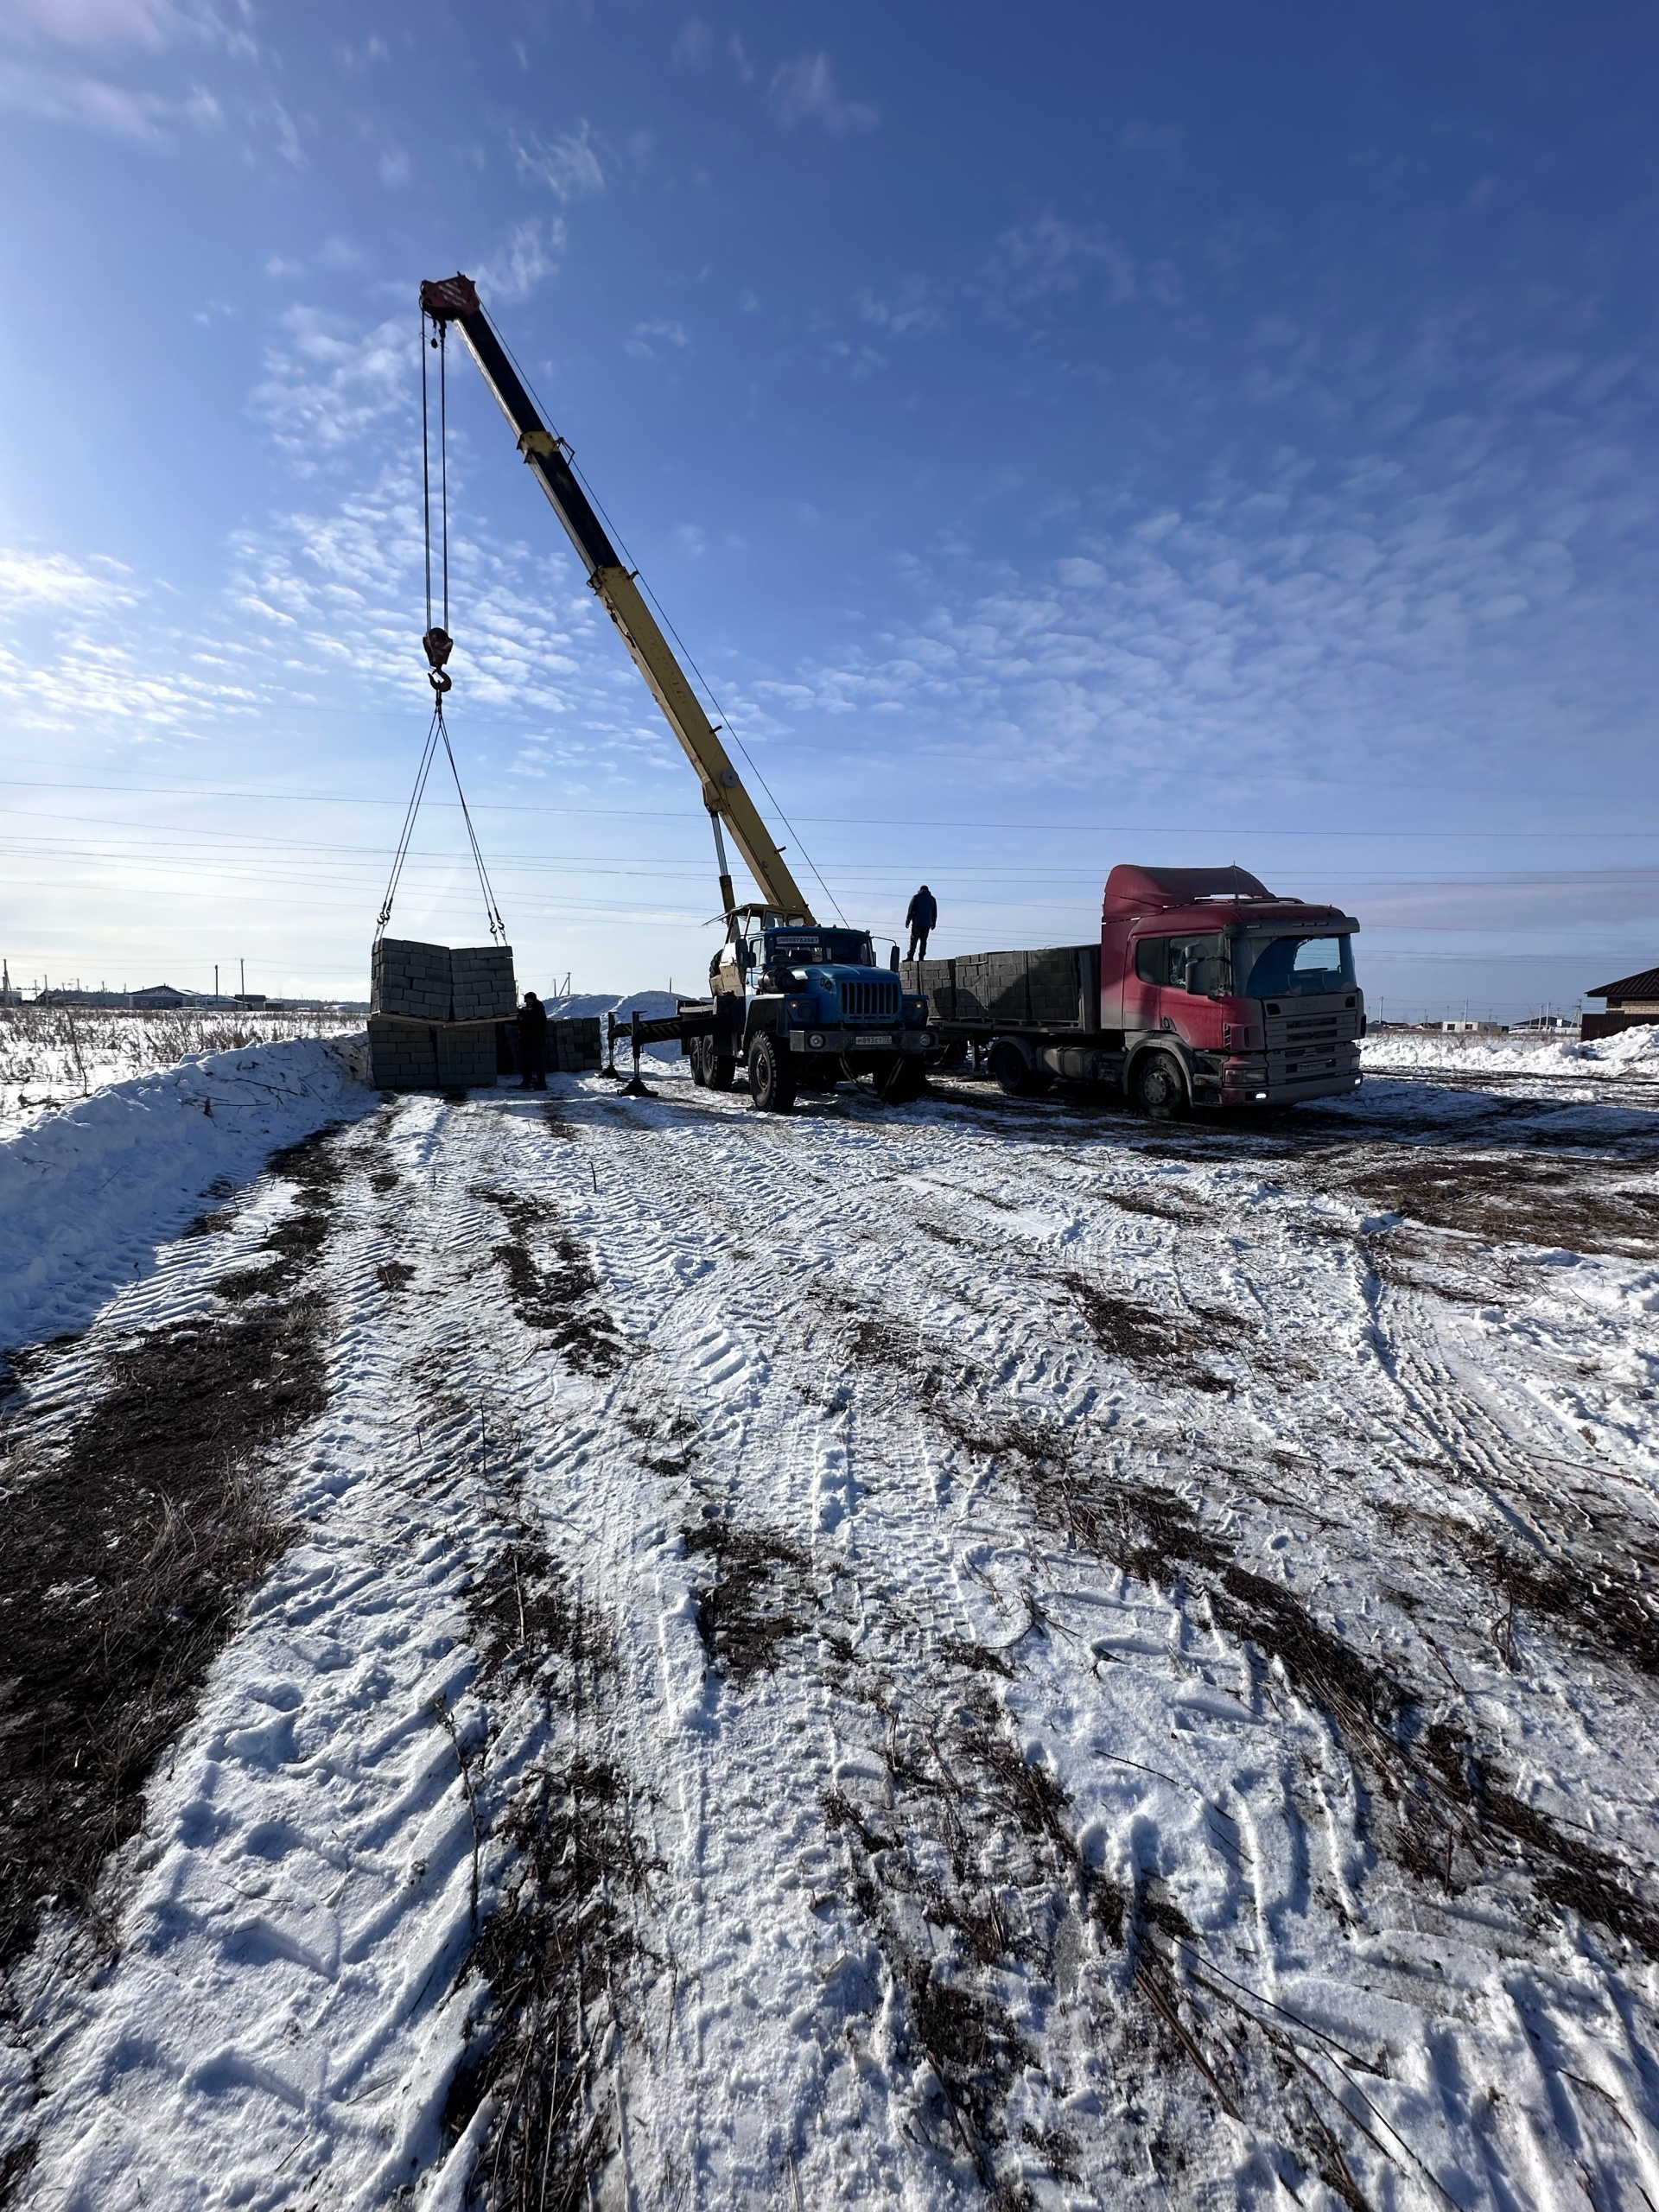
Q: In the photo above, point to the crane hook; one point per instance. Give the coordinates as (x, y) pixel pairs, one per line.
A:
(439, 646)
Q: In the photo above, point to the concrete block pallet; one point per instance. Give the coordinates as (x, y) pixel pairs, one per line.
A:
(406, 1055)
(431, 982)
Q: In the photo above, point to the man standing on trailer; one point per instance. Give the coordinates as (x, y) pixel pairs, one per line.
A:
(922, 915)
(532, 1044)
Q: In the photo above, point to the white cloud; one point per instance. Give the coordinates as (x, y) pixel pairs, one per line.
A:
(527, 254)
(568, 165)
(1046, 255)
(94, 23)
(95, 26)
(53, 580)
(111, 110)
(655, 342)
(909, 313)
(805, 90)
(329, 385)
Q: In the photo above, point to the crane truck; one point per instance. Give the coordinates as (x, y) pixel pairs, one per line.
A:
(1203, 989)
(801, 1005)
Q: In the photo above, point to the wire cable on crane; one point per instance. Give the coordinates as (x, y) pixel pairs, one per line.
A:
(439, 646)
(724, 721)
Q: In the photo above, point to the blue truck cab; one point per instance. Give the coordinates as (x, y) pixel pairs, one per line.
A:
(805, 1007)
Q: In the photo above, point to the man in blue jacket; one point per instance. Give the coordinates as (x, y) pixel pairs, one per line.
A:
(922, 914)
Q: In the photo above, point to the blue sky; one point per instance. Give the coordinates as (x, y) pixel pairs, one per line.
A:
(1179, 434)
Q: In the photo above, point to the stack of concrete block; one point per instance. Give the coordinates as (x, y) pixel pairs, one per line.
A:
(434, 1012)
(1056, 988)
(402, 1055)
(431, 1055)
(467, 1056)
(575, 1045)
(410, 979)
(482, 980)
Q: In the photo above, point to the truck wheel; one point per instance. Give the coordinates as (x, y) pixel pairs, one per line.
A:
(1158, 1088)
(898, 1082)
(772, 1081)
(723, 1069)
(700, 1061)
(1011, 1074)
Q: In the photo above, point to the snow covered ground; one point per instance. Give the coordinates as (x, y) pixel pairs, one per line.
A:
(993, 1653)
(51, 1056)
(88, 1191)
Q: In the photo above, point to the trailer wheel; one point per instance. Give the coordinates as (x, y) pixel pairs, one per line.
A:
(772, 1081)
(1158, 1088)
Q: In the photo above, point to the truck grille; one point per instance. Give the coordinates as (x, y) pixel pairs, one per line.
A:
(875, 1001)
(1307, 1032)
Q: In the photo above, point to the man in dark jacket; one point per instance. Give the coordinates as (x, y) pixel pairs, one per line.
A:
(922, 914)
(532, 1044)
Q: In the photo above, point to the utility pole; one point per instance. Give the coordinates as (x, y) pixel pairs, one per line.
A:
(242, 965)
(215, 979)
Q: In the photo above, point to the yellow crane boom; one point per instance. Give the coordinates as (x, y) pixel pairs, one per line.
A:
(454, 300)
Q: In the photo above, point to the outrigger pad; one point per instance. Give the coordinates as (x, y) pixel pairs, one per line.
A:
(635, 1089)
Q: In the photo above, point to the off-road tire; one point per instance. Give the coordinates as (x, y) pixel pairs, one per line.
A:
(772, 1080)
(722, 1068)
(898, 1082)
(1158, 1088)
(699, 1058)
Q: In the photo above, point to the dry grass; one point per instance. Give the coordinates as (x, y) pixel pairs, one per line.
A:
(52, 1055)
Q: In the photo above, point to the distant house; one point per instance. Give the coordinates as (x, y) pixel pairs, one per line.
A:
(1632, 1001)
(157, 996)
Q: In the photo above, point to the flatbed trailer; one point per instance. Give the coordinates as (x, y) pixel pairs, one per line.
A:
(1204, 990)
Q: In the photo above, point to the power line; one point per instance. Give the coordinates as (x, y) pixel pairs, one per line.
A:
(1598, 831)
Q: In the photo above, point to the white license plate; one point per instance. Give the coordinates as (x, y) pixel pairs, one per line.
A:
(883, 1042)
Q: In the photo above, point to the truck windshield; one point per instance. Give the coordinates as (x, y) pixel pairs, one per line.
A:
(1292, 966)
(815, 948)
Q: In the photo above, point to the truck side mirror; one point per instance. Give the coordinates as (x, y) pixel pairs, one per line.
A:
(892, 961)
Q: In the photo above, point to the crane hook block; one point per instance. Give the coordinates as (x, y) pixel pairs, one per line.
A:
(439, 646)
(444, 298)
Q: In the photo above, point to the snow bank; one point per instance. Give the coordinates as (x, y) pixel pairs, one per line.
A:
(86, 1195)
(1634, 1051)
(49, 1056)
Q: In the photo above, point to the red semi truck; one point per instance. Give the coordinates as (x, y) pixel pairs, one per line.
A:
(1204, 990)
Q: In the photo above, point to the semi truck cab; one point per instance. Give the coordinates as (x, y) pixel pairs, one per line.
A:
(1203, 989)
(1253, 995)
(1259, 1013)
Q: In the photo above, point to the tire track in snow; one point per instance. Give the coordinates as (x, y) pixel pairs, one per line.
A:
(776, 2032)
